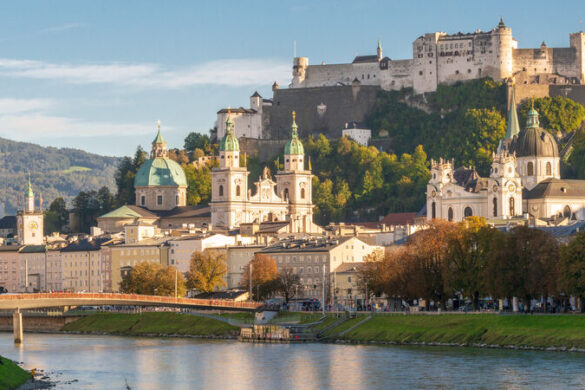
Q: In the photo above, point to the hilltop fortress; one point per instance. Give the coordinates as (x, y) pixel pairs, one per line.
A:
(440, 58)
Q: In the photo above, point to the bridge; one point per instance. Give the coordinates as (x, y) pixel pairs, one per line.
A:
(19, 302)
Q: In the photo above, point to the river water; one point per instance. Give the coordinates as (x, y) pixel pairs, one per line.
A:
(109, 362)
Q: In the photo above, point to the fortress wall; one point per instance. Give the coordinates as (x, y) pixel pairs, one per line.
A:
(331, 75)
(397, 76)
(319, 110)
(525, 92)
(565, 61)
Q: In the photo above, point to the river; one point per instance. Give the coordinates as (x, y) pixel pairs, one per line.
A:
(108, 362)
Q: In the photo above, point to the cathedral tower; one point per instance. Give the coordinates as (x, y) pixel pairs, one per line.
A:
(30, 222)
(229, 183)
(294, 182)
(504, 187)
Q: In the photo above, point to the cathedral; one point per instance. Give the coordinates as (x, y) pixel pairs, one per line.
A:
(524, 181)
(287, 200)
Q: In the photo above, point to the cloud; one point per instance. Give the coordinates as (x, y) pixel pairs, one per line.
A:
(63, 27)
(231, 72)
(9, 106)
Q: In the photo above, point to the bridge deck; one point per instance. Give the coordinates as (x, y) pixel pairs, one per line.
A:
(42, 300)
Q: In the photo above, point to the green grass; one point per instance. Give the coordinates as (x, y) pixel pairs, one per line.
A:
(539, 331)
(243, 316)
(329, 320)
(11, 375)
(163, 323)
(76, 168)
(296, 317)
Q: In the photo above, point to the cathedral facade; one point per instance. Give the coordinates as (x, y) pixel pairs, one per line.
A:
(524, 181)
(285, 198)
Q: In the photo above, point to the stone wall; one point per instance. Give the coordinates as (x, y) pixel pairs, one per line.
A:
(32, 323)
(574, 92)
(319, 110)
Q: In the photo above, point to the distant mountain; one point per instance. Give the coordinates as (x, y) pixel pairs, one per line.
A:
(54, 172)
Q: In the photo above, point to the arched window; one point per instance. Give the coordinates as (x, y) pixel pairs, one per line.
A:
(530, 169)
(286, 194)
(567, 212)
(177, 200)
(238, 190)
(220, 190)
(143, 200)
(548, 169)
(467, 212)
(433, 210)
(512, 209)
(159, 200)
(302, 193)
(495, 201)
(450, 214)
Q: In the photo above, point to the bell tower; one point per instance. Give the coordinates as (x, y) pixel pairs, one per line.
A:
(30, 221)
(504, 187)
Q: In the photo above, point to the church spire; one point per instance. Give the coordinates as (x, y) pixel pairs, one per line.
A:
(379, 49)
(513, 125)
(159, 145)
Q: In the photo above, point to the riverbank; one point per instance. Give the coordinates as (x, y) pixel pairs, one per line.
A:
(11, 375)
(551, 332)
(152, 324)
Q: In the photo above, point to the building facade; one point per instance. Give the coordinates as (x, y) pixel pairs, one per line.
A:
(440, 58)
(289, 198)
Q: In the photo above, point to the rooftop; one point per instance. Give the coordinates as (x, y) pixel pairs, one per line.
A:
(320, 244)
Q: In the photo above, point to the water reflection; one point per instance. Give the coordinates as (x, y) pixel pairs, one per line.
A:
(100, 362)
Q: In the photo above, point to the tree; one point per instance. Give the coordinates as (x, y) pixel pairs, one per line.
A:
(556, 114)
(125, 175)
(572, 268)
(264, 274)
(207, 271)
(288, 283)
(148, 278)
(197, 141)
(198, 184)
(88, 206)
(57, 216)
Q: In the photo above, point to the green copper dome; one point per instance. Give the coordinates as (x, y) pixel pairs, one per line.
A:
(29, 191)
(532, 121)
(229, 142)
(160, 171)
(294, 145)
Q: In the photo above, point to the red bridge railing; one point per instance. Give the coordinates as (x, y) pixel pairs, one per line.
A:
(154, 299)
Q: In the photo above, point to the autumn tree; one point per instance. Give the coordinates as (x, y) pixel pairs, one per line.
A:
(288, 283)
(164, 282)
(148, 278)
(264, 276)
(572, 268)
(207, 271)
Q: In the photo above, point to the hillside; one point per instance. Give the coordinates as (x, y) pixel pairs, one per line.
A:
(54, 172)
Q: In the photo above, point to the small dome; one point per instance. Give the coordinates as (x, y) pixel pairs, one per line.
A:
(535, 142)
(294, 145)
(160, 171)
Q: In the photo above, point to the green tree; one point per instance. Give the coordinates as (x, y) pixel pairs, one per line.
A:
(572, 268)
(198, 184)
(197, 141)
(207, 271)
(57, 216)
(125, 175)
(556, 114)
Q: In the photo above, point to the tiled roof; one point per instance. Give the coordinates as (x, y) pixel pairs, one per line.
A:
(240, 110)
(305, 245)
(391, 220)
(360, 59)
(130, 211)
(557, 188)
(349, 267)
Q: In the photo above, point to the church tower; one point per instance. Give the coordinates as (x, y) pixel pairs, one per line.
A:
(441, 175)
(229, 183)
(30, 222)
(294, 182)
(504, 187)
(379, 50)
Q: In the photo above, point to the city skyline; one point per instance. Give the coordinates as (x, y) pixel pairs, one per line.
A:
(78, 74)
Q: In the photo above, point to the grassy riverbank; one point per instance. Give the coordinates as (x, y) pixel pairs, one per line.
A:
(11, 375)
(539, 331)
(159, 323)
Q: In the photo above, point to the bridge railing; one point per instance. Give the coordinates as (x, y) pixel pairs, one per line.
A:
(154, 299)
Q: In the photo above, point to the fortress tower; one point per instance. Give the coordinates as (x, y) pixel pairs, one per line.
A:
(578, 43)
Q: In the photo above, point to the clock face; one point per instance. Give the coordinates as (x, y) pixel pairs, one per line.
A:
(434, 193)
(495, 188)
(33, 226)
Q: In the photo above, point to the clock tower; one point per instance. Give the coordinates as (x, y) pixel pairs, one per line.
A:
(29, 221)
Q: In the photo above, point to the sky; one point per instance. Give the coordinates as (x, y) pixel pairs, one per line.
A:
(97, 75)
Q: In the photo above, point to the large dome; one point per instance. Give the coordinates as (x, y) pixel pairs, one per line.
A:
(535, 142)
(160, 171)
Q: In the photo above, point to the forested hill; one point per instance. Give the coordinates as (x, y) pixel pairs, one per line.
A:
(54, 172)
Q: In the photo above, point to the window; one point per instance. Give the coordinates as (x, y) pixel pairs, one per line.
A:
(530, 169)
(512, 211)
(286, 194)
(467, 212)
(450, 214)
(142, 200)
(220, 190)
(302, 193)
(495, 201)
(177, 200)
(433, 210)
(238, 190)
(548, 169)
(567, 212)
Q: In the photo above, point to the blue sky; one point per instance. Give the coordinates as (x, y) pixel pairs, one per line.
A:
(97, 75)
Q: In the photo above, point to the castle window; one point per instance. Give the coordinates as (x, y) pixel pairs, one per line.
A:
(237, 190)
(420, 73)
(220, 190)
(142, 200)
(456, 72)
(512, 210)
(159, 200)
(433, 210)
(450, 214)
(548, 169)
(495, 201)
(468, 70)
(530, 169)
(302, 193)
(468, 212)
